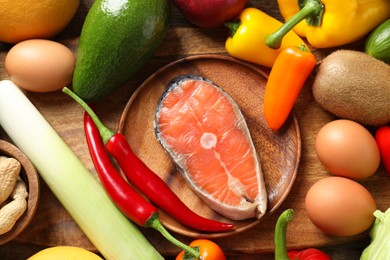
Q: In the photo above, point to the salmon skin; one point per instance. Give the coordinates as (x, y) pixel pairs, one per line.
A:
(203, 130)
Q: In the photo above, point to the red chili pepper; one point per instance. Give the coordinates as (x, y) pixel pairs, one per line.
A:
(148, 182)
(382, 137)
(286, 79)
(280, 242)
(129, 201)
(156, 189)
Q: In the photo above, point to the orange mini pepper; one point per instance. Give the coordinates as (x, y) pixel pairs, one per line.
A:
(286, 79)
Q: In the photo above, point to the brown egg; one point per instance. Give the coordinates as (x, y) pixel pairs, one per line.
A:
(347, 149)
(40, 65)
(340, 206)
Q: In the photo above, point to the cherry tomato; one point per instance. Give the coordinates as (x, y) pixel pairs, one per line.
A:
(208, 250)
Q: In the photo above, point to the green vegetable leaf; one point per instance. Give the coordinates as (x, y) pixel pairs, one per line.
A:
(379, 247)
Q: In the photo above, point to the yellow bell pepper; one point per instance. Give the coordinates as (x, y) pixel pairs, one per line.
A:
(247, 37)
(330, 23)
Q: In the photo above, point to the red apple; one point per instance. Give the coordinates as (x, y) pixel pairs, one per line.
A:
(210, 13)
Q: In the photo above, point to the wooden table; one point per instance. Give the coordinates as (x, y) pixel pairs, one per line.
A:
(53, 226)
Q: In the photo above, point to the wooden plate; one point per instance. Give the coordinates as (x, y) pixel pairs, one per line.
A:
(279, 151)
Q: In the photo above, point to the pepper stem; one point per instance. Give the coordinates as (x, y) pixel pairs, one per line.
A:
(303, 47)
(233, 27)
(104, 131)
(312, 11)
(155, 223)
(280, 234)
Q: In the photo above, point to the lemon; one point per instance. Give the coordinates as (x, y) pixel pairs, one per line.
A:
(65, 253)
(27, 19)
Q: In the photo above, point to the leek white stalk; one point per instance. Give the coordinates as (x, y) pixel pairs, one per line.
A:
(115, 236)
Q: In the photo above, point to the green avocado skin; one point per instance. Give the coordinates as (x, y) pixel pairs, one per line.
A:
(378, 42)
(117, 39)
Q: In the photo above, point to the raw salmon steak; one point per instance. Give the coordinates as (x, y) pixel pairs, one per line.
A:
(204, 132)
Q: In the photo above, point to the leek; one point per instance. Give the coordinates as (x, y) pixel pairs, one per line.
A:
(114, 235)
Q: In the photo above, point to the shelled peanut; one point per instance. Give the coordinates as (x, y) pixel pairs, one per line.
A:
(13, 193)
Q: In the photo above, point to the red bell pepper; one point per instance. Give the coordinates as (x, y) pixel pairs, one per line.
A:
(308, 254)
(280, 242)
(382, 137)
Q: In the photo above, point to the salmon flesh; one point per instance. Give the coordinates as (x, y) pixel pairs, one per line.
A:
(204, 132)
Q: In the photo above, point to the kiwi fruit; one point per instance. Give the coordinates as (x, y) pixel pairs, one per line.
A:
(354, 85)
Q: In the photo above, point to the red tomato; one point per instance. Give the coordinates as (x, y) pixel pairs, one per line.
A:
(208, 250)
(382, 137)
(210, 14)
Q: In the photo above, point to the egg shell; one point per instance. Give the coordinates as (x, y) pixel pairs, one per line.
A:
(340, 206)
(348, 149)
(40, 65)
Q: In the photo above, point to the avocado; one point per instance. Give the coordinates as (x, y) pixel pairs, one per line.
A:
(117, 39)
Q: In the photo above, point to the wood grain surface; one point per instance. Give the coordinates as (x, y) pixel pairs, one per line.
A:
(53, 226)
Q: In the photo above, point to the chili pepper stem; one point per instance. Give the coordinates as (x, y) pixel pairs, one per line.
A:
(312, 9)
(154, 222)
(280, 234)
(104, 131)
